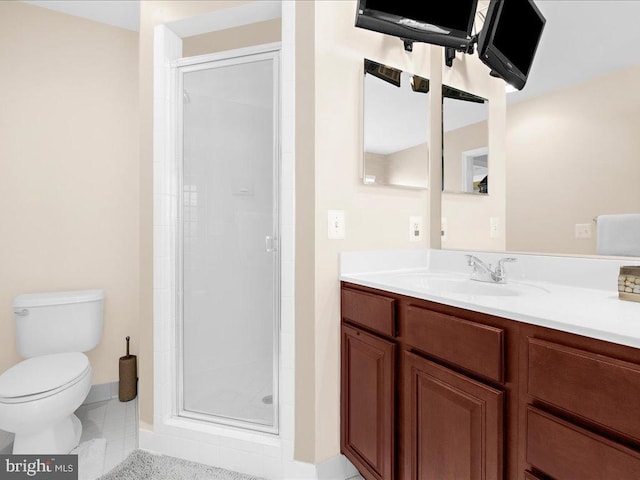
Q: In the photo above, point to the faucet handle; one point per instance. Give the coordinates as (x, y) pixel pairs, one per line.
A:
(502, 261)
(500, 274)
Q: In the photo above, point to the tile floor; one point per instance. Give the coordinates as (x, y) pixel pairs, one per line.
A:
(112, 420)
(116, 422)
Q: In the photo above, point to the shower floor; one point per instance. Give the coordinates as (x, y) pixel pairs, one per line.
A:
(239, 392)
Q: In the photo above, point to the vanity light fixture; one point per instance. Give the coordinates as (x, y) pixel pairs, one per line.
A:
(419, 84)
(383, 72)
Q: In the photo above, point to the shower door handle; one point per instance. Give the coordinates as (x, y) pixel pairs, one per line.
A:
(271, 244)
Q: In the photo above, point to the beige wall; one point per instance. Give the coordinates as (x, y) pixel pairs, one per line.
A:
(376, 217)
(456, 142)
(69, 180)
(468, 216)
(573, 155)
(257, 33)
(409, 167)
(377, 164)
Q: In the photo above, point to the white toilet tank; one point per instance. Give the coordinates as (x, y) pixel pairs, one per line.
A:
(58, 322)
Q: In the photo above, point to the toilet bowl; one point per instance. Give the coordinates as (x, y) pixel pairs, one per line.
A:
(39, 395)
(37, 399)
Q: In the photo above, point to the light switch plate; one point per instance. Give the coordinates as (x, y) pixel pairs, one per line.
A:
(335, 224)
(415, 229)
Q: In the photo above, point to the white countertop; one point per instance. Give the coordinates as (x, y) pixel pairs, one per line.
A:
(580, 294)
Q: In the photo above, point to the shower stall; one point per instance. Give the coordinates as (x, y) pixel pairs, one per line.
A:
(227, 315)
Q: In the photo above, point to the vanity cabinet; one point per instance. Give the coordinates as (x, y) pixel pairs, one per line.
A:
(433, 392)
(368, 366)
(439, 413)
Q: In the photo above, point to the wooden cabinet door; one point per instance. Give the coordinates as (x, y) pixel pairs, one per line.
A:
(367, 403)
(453, 424)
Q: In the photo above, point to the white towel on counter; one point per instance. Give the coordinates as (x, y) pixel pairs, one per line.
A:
(619, 235)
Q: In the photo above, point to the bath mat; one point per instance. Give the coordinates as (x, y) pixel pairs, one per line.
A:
(90, 458)
(143, 465)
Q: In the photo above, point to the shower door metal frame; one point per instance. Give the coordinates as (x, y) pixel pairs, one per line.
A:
(204, 62)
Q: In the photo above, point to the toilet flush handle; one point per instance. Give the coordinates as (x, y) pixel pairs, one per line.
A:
(21, 313)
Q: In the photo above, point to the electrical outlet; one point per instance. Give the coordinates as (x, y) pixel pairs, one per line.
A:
(583, 230)
(335, 224)
(494, 223)
(443, 229)
(415, 229)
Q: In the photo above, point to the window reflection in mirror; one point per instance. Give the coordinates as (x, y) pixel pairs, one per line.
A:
(465, 142)
(396, 127)
(475, 170)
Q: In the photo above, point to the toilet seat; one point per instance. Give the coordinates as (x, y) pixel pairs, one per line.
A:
(43, 376)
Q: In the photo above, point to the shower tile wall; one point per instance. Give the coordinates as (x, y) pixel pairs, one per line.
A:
(227, 213)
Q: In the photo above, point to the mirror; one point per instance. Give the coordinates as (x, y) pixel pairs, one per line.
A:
(396, 127)
(572, 139)
(465, 142)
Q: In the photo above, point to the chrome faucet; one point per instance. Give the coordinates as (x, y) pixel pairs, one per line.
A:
(485, 273)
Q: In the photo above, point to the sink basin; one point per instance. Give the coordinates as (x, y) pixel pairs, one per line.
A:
(463, 285)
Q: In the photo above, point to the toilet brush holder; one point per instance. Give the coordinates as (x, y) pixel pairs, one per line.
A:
(128, 384)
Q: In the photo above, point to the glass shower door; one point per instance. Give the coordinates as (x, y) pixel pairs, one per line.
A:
(229, 222)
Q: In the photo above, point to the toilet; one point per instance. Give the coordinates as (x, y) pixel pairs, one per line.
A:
(39, 395)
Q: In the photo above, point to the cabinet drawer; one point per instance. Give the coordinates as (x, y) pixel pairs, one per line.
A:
(567, 452)
(470, 345)
(596, 387)
(372, 311)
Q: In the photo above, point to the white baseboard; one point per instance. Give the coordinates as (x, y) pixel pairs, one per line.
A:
(260, 460)
(335, 468)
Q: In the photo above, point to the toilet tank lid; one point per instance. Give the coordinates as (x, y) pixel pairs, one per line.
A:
(57, 298)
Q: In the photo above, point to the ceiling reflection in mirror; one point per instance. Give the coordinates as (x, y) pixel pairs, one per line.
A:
(465, 142)
(572, 138)
(396, 127)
